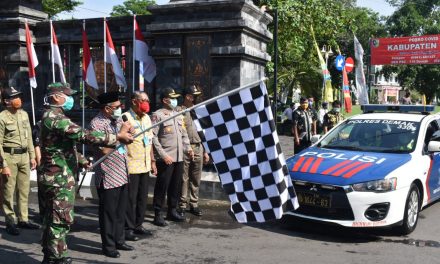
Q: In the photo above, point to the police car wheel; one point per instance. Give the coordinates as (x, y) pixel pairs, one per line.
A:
(412, 209)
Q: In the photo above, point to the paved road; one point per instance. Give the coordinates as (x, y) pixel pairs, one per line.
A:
(216, 238)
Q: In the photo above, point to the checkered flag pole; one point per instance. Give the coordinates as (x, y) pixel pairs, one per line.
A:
(239, 132)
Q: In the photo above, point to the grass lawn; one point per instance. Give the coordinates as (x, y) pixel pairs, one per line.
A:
(356, 109)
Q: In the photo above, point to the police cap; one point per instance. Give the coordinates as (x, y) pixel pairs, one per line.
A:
(169, 93)
(192, 90)
(10, 92)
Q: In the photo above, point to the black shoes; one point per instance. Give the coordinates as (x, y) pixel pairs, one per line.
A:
(124, 247)
(12, 229)
(195, 211)
(46, 260)
(181, 212)
(142, 231)
(173, 215)
(158, 219)
(129, 236)
(28, 225)
(111, 253)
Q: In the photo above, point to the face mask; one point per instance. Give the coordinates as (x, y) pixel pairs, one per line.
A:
(68, 104)
(173, 103)
(337, 110)
(310, 103)
(144, 107)
(16, 103)
(117, 113)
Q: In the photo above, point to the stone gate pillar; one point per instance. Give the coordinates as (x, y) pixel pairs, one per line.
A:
(13, 56)
(216, 44)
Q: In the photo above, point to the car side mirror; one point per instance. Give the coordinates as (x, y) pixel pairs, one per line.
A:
(434, 146)
(315, 138)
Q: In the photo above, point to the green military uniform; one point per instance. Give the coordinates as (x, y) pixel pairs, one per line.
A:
(332, 118)
(17, 149)
(59, 136)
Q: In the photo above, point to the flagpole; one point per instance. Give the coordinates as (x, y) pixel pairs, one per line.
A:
(83, 96)
(134, 51)
(236, 90)
(51, 50)
(105, 57)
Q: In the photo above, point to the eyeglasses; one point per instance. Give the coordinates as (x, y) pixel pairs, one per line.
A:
(143, 100)
(115, 106)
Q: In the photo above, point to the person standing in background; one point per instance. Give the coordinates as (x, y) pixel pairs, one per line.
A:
(304, 127)
(140, 163)
(170, 144)
(321, 113)
(192, 166)
(18, 152)
(333, 117)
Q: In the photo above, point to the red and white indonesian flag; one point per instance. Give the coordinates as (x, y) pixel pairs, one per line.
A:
(112, 58)
(56, 56)
(141, 54)
(89, 75)
(32, 57)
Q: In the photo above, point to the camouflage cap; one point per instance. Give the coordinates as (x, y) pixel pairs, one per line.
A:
(59, 87)
(10, 92)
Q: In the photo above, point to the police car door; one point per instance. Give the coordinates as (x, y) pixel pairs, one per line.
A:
(433, 177)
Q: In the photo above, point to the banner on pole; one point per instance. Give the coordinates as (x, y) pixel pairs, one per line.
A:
(406, 50)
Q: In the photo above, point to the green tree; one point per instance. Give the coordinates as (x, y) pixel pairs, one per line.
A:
(54, 7)
(334, 22)
(415, 18)
(132, 7)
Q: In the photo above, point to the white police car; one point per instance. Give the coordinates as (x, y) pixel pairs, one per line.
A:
(376, 169)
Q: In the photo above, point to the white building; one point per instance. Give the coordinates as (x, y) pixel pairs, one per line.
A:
(388, 90)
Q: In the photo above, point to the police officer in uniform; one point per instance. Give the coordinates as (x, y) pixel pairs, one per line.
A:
(59, 136)
(304, 126)
(170, 145)
(17, 149)
(333, 117)
(192, 169)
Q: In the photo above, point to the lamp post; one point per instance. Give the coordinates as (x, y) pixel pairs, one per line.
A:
(326, 53)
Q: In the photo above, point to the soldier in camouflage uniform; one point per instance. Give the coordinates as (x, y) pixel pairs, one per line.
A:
(59, 136)
(333, 117)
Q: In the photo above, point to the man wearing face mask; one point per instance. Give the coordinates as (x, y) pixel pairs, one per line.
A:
(170, 145)
(111, 178)
(304, 126)
(140, 162)
(192, 170)
(17, 149)
(333, 117)
(59, 137)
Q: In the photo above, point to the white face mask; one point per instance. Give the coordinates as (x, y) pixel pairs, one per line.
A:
(337, 110)
(117, 113)
(173, 103)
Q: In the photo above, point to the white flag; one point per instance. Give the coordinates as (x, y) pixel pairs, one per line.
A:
(361, 85)
(89, 75)
(149, 66)
(56, 56)
(112, 58)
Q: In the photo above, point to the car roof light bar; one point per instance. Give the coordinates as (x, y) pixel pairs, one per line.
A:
(424, 109)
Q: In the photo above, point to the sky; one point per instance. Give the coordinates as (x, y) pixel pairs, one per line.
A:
(100, 8)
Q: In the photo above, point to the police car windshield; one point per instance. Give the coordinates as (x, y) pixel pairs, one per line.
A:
(375, 135)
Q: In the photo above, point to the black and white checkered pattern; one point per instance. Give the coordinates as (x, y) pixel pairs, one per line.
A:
(239, 133)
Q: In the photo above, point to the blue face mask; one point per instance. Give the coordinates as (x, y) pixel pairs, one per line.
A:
(68, 104)
(173, 103)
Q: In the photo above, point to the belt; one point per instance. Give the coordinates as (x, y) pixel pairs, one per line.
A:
(15, 150)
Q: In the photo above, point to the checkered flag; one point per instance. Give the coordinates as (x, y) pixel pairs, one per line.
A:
(239, 132)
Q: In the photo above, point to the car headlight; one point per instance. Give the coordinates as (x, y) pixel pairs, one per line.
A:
(376, 186)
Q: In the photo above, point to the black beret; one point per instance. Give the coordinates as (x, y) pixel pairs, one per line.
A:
(109, 97)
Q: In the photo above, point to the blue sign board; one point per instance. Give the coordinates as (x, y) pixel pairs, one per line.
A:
(340, 62)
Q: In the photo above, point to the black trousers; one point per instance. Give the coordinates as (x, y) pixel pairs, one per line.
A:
(303, 144)
(169, 182)
(137, 200)
(112, 208)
